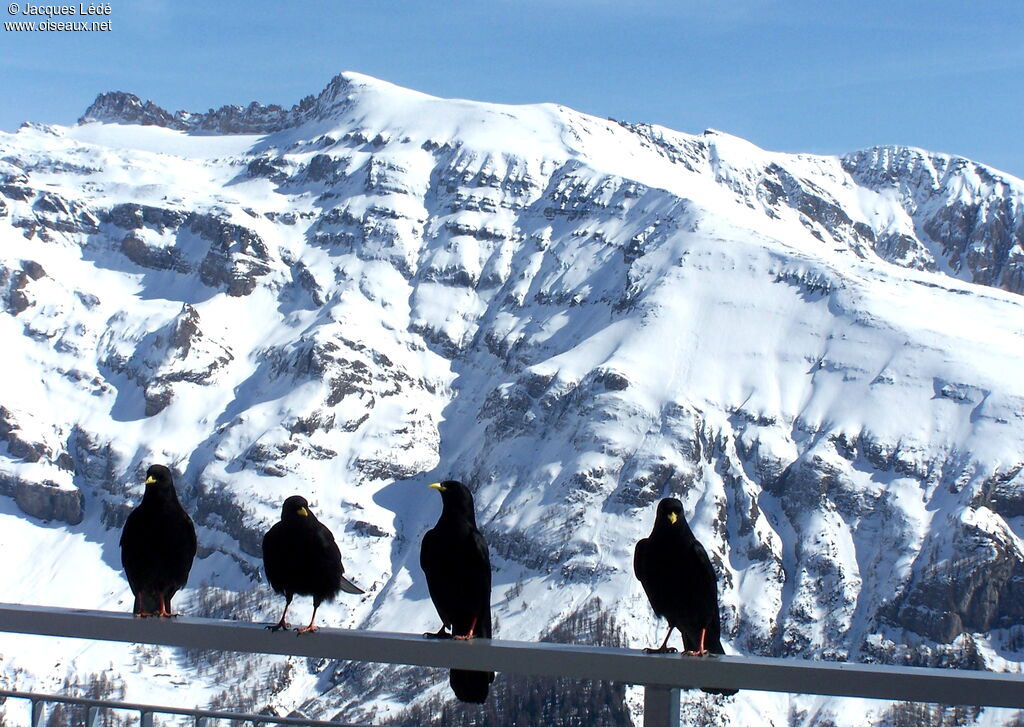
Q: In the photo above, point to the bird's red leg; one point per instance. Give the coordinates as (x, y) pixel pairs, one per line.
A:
(701, 651)
(164, 611)
(664, 648)
(471, 634)
(139, 613)
(312, 626)
(281, 624)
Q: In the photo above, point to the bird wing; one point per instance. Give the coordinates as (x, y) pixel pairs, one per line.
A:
(195, 540)
(323, 542)
(274, 560)
(189, 543)
(706, 581)
(131, 534)
(430, 551)
(483, 563)
(705, 600)
(131, 524)
(640, 560)
(331, 546)
(434, 564)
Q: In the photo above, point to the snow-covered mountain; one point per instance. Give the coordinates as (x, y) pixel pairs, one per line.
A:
(375, 289)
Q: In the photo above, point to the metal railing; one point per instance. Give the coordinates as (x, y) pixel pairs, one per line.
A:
(661, 675)
(200, 717)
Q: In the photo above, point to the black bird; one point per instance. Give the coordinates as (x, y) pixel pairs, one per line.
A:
(158, 545)
(454, 559)
(677, 576)
(300, 556)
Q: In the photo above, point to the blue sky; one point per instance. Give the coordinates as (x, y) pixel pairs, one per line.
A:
(822, 76)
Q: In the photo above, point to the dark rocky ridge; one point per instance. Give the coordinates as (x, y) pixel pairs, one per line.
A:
(119, 107)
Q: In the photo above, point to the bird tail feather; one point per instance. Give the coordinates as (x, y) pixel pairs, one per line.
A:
(471, 686)
(350, 587)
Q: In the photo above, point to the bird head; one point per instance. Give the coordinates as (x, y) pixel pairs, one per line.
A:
(295, 506)
(159, 484)
(456, 498)
(670, 512)
(159, 475)
(158, 478)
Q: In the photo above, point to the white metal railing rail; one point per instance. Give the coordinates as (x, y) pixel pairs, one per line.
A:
(661, 675)
(200, 717)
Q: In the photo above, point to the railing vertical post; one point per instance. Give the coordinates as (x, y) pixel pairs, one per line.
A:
(145, 719)
(38, 713)
(201, 721)
(93, 718)
(661, 706)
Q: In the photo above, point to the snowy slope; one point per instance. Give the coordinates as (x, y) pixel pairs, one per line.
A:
(376, 289)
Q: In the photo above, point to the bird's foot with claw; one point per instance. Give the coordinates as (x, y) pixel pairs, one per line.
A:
(279, 626)
(307, 630)
(705, 652)
(464, 637)
(663, 650)
(439, 634)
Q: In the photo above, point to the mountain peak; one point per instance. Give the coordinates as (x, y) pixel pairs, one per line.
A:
(119, 107)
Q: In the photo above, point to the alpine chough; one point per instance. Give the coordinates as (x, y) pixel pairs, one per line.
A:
(300, 556)
(679, 580)
(455, 561)
(158, 544)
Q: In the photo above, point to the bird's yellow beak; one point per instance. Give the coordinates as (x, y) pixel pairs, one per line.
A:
(672, 517)
(151, 480)
(437, 486)
(303, 511)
